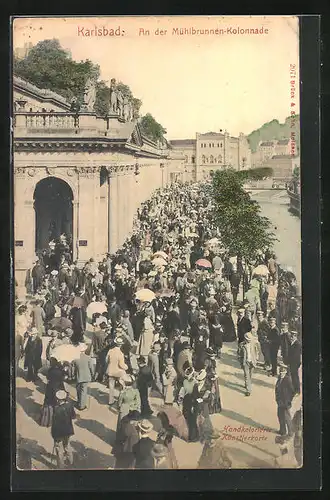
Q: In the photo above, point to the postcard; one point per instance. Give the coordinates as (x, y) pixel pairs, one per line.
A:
(157, 243)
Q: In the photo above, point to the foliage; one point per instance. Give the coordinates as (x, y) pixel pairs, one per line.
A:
(243, 230)
(255, 174)
(49, 66)
(151, 128)
(296, 173)
(275, 130)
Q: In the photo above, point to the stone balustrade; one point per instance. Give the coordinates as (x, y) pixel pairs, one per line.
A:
(58, 123)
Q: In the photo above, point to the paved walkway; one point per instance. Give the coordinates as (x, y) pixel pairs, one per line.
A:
(248, 424)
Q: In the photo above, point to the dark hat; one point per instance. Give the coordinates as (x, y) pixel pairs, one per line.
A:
(189, 370)
(141, 360)
(210, 352)
(185, 345)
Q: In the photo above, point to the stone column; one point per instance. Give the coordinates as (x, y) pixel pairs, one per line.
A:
(113, 204)
(75, 228)
(97, 215)
(86, 214)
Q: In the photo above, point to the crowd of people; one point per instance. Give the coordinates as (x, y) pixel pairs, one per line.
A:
(161, 309)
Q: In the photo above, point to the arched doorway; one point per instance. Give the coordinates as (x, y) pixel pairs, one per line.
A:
(53, 206)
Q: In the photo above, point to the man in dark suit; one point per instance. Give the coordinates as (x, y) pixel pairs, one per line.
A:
(294, 357)
(274, 337)
(33, 351)
(98, 345)
(143, 382)
(284, 394)
(243, 325)
(83, 371)
(142, 450)
(285, 342)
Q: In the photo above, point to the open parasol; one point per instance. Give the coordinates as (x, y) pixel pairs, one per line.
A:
(145, 295)
(159, 262)
(161, 254)
(96, 307)
(260, 270)
(66, 352)
(60, 323)
(204, 263)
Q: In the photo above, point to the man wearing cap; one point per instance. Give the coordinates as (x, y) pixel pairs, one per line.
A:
(153, 362)
(83, 374)
(33, 352)
(285, 342)
(62, 428)
(263, 337)
(243, 325)
(37, 273)
(294, 358)
(284, 394)
(142, 450)
(274, 338)
(143, 382)
(116, 366)
(248, 356)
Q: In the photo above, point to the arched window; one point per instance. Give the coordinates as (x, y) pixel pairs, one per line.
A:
(192, 159)
(219, 159)
(211, 159)
(203, 159)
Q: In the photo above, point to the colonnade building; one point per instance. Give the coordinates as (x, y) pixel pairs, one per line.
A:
(79, 174)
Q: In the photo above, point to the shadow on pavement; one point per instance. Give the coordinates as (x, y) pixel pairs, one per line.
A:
(236, 387)
(29, 449)
(101, 397)
(87, 458)
(24, 399)
(255, 381)
(107, 435)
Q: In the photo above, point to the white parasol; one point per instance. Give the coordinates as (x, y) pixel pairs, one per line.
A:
(66, 352)
(260, 270)
(161, 254)
(159, 262)
(96, 307)
(145, 295)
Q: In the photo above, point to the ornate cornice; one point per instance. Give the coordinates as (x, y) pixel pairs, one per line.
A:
(88, 172)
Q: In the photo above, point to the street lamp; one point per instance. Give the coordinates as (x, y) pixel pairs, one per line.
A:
(162, 166)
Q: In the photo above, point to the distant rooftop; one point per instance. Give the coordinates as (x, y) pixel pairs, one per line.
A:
(283, 142)
(183, 142)
(267, 143)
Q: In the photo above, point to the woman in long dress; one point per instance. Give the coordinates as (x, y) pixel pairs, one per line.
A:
(56, 377)
(129, 400)
(215, 405)
(147, 335)
(201, 399)
(165, 436)
(226, 320)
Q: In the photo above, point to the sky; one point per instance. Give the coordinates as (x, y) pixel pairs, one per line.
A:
(189, 83)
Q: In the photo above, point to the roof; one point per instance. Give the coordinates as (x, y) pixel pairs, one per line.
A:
(283, 142)
(183, 142)
(212, 134)
(267, 143)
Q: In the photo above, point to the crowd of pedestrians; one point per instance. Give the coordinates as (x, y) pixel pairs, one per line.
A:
(161, 309)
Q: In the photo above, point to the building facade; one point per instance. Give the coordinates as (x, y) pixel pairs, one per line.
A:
(267, 149)
(80, 174)
(213, 151)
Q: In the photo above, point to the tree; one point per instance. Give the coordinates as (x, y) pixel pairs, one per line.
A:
(243, 230)
(49, 66)
(151, 128)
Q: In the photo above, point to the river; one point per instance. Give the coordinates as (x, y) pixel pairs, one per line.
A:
(274, 205)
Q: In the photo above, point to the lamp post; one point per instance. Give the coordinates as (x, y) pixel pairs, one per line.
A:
(162, 166)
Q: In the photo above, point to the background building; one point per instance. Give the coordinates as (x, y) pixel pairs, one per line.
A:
(212, 151)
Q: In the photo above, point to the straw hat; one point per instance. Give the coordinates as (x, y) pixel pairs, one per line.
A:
(61, 395)
(54, 272)
(145, 426)
(119, 340)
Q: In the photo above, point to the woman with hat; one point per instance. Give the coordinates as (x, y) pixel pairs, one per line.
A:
(169, 382)
(189, 409)
(129, 399)
(214, 454)
(201, 395)
(62, 428)
(116, 366)
(213, 381)
(126, 437)
(165, 437)
(147, 334)
(55, 377)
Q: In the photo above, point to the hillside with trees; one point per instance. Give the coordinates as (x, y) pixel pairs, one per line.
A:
(274, 130)
(48, 66)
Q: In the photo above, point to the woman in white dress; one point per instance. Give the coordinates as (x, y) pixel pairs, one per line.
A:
(147, 335)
